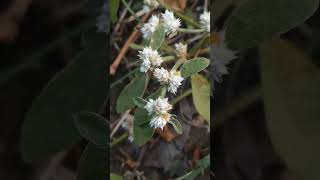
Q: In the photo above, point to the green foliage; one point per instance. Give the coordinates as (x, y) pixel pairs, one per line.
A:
(202, 164)
(93, 127)
(141, 128)
(115, 177)
(113, 9)
(258, 20)
(291, 85)
(193, 66)
(135, 88)
(158, 37)
(176, 125)
(201, 95)
(80, 86)
(139, 102)
(93, 164)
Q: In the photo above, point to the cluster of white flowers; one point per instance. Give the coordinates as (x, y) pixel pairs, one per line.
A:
(173, 78)
(150, 59)
(150, 4)
(158, 109)
(205, 20)
(221, 56)
(181, 49)
(170, 22)
(149, 28)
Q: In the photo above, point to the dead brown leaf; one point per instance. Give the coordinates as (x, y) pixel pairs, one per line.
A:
(178, 5)
(166, 134)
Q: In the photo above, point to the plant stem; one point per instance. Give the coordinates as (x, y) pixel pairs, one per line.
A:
(180, 97)
(130, 10)
(168, 58)
(183, 17)
(136, 46)
(123, 78)
(178, 63)
(184, 30)
(119, 139)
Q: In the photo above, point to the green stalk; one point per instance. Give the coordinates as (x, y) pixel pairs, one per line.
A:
(119, 139)
(180, 97)
(131, 11)
(196, 31)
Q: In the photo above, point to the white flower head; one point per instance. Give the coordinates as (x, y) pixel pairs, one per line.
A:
(181, 49)
(128, 125)
(175, 80)
(150, 4)
(171, 23)
(150, 59)
(221, 56)
(161, 74)
(158, 109)
(150, 27)
(205, 20)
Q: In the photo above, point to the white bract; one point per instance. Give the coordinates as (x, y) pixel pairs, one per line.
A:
(174, 81)
(221, 56)
(161, 74)
(171, 23)
(181, 49)
(173, 78)
(150, 4)
(158, 109)
(205, 20)
(150, 27)
(150, 59)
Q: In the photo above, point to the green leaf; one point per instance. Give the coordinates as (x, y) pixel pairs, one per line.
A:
(176, 125)
(49, 126)
(201, 95)
(291, 86)
(113, 9)
(141, 129)
(257, 20)
(135, 88)
(139, 102)
(142, 133)
(193, 66)
(93, 164)
(93, 127)
(115, 177)
(202, 164)
(157, 37)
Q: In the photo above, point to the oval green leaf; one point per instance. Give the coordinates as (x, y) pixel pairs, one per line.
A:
(92, 127)
(115, 177)
(80, 86)
(193, 66)
(113, 9)
(176, 125)
(93, 164)
(139, 102)
(157, 37)
(291, 86)
(141, 129)
(135, 88)
(201, 95)
(257, 20)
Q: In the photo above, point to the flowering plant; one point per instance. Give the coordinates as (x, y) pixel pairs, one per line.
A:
(155, 58)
